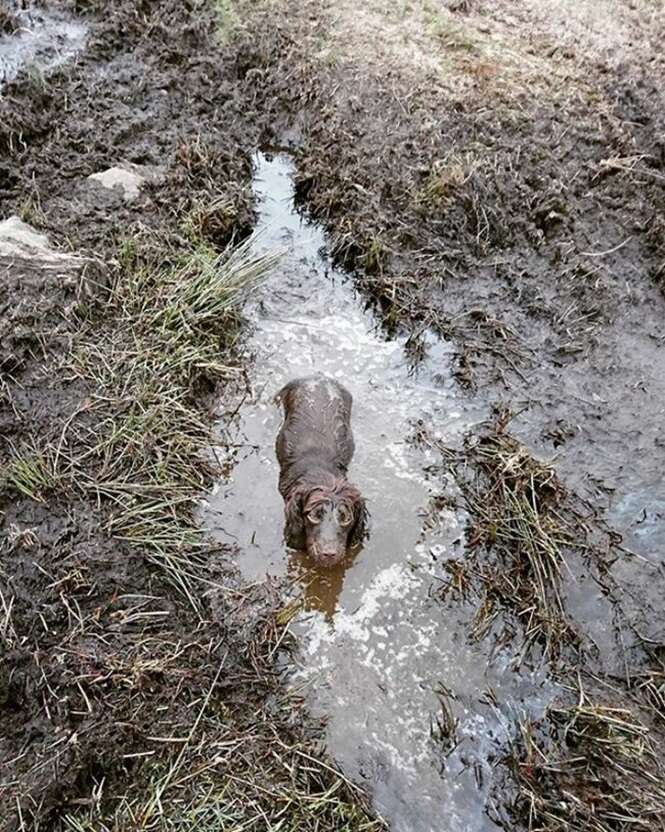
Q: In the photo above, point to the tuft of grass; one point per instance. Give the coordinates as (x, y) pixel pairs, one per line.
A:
(213, 219)
(228, 20)
(452, 34)
(31, 210)
(374, 255)
(32, 471)
(444, 723)
(517, 537)
(588, 767)
(444, 180)
(204, 290)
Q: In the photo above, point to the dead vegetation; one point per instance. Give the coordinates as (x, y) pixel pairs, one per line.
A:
(238, 762)
(517, 539)
(593, 761)
(593, 765)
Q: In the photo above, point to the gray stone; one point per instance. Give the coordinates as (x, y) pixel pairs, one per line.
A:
(20, 240)
(18, 234)
(27, 259)
(128, 178)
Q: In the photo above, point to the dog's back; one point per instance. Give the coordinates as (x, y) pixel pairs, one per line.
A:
(317, 428)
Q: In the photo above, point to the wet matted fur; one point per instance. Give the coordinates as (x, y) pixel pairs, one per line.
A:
(324, 512)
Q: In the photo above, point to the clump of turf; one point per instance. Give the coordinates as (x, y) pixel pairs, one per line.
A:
(517, 536)
(591, 766)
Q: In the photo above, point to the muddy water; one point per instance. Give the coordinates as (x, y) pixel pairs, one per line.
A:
(42, 40)
(378, 654)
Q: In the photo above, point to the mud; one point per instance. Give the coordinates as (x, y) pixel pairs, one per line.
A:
(37, 40)
(489, 186)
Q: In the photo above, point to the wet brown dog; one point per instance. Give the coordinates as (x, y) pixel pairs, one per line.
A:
(325, 514)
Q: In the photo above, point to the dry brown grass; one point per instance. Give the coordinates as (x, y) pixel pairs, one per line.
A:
(517, 539)
(592, 766)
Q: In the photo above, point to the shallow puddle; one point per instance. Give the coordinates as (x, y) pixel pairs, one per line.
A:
(378, 653)
(42, 40)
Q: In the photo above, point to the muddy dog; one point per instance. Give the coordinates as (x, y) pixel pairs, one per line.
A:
(324, 513)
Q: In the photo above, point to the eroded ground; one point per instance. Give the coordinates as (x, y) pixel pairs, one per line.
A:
(493, 178)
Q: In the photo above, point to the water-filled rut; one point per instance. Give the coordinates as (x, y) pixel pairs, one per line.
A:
(377, 652)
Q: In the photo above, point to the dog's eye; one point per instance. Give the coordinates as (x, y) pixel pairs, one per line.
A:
(345, 515)
(314, 516)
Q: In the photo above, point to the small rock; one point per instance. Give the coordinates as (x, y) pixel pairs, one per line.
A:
(20, 240)
(128, 178)
(15, 232)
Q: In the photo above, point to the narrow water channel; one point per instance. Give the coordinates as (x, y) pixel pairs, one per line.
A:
(378, 653)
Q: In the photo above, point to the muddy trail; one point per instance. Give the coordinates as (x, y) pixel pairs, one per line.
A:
(415, 709)
(374, 647)
(464, 225)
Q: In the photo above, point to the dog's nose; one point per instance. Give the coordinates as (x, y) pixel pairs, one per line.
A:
(329, 555)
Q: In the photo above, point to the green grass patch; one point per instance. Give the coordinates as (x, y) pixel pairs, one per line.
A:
(228, 19)
(32, 471)
(139, 445)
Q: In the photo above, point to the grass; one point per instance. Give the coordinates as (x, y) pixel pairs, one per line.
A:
(31, 211)
(31, 471)
(8, 635)
(228, 20)
(210, 219)
(651, 685)
(451, 34)
(589, 767)
(145, 455)
(226, 795)
(592, 763)
(444, 180)
(518, 537)
(234, 768)
(152, 458)
(656, 239)
(9, 23)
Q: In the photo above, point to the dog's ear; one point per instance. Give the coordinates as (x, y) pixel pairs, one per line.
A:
(360, 529)
(294, 514)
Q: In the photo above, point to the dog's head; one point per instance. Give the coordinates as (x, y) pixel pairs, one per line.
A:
(326, 519)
